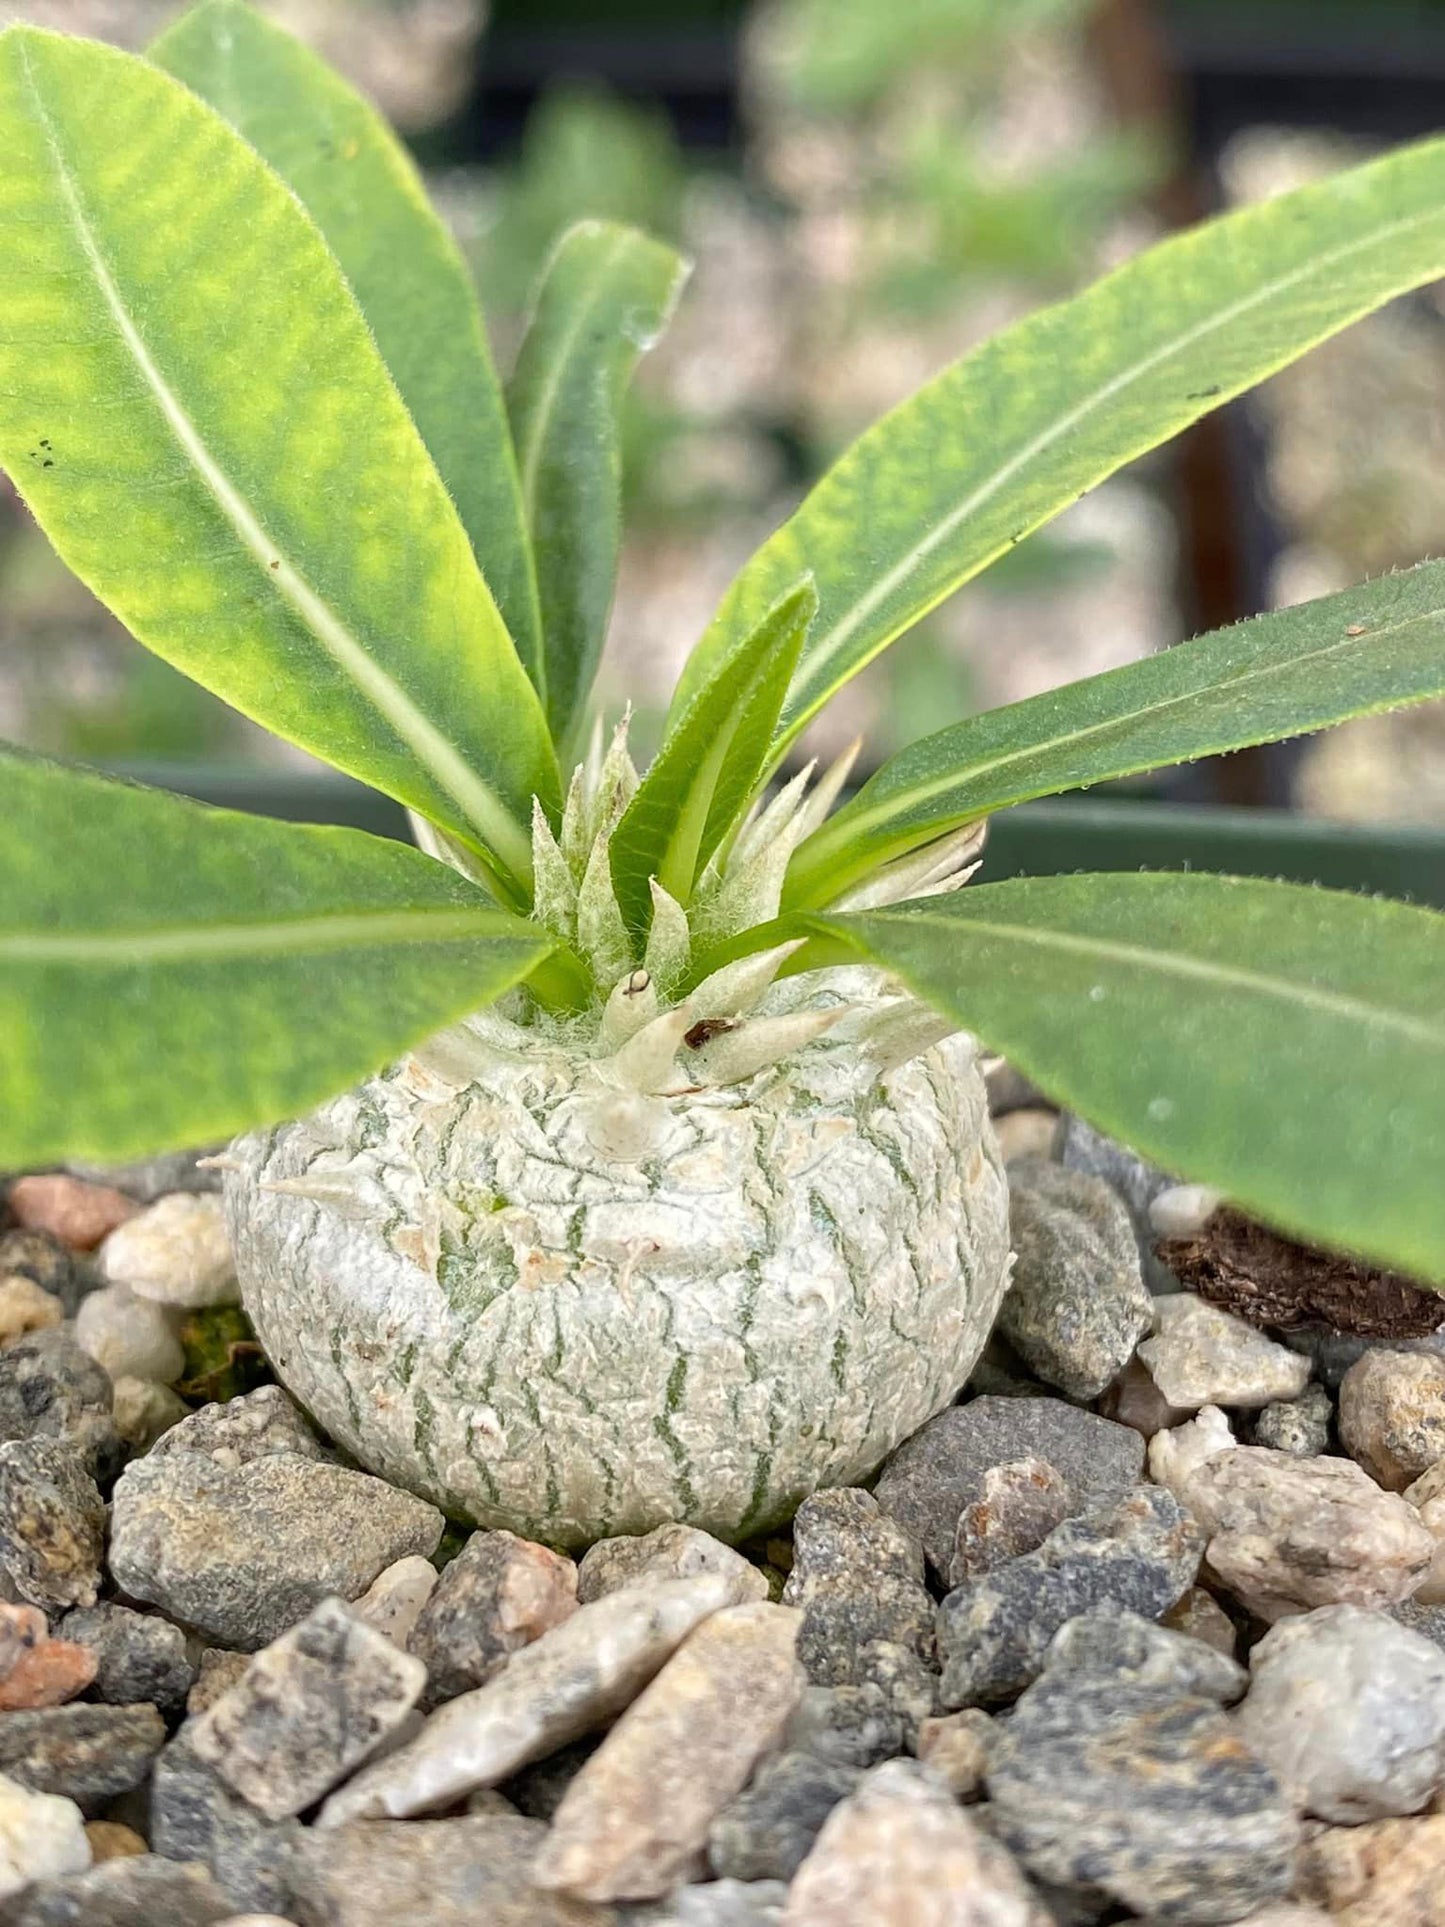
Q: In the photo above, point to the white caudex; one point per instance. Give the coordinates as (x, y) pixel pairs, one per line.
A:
(676, 1258)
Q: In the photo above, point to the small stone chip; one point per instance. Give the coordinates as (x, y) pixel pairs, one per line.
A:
(307, 1710)
(498, 1595)
(639, 1811)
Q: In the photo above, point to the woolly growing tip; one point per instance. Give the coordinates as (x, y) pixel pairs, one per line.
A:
(742, 1050)
(645, 1062)
(737, 987)
(633, 1003)
(554, 889)
(930, 872)
(669, 941)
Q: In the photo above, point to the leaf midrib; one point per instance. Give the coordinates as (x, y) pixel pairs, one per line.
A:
(913, 796)
(480, 803)
(273, 937)
(1195, 969)
(835, 639)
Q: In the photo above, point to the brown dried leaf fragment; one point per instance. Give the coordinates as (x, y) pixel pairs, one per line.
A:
(1271, 1281)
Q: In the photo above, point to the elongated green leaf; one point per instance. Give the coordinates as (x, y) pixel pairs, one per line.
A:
(605, 298)
(1283, 1043)
(1367, 649)
(170, 974)
(194, 408)
(1007, 437)
(360, 187)
(709, 764)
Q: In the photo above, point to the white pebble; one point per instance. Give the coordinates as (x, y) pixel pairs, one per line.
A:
(1174, 1457)
(256, 1920)
(392, 1603)
(1348, 1708)
(24, 1307)
(1183, 1209)
(42, 1837)
(129, 1336)
(144, 1409)
(1203, 1356)
(177, 1252)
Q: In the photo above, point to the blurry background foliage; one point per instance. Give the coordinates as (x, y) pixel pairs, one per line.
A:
(901, 179)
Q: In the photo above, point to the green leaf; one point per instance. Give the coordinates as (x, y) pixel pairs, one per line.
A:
(1014, 432)
(170, 974)
(1368, 649)
(709, 765)
(194, 408)
(605, 298)
(1286, 1044)
(359, 185)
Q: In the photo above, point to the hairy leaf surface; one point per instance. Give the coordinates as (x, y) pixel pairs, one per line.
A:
(362, 190)
(1286, 1044)
(1014, 432)
(170, 974)
(194, 408)
(605, 298)
(1368, 649)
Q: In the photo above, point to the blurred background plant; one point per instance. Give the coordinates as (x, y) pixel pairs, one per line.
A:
(868, 188)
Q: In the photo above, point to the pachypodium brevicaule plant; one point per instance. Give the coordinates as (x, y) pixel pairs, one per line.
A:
(668, 1189)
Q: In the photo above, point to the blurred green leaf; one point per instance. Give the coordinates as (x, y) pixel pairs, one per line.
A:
(604, 300)
(359, 185)
(1370, 648)
(285, 540)
(171, 974)
(1286, 1044)
(1007, 437)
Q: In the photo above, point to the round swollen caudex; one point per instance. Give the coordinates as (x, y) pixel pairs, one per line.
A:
(575, 1311)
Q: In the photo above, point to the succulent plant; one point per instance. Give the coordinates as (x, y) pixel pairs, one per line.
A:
(667, 1189)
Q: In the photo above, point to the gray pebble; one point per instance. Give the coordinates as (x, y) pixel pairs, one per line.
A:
(1114, 1643)
(669, 1552)
(768, 1830)
(1299, 1426)
(721, 1903)
(52, 1524)
(1333, 1353)
(1082, 1148)
(446, 1873)
(152, 1178)
(308, 1710)
(140, 1891)
(243, 1552)
(537, 1791)
(955, 1747)
(141, 1658)
(1348, 1708)
(217, 1671)
(89, 1754)
(848, 1725)
(1392, 1415)
(930, 1479)
(858, 1578)
(51, 1389)
(1101, 1782)
(42, 1258)
(1428, 1621)
(195, 1816)
(1077, 1304)
(1017, 1509)
(1140, 1554)
(263, 1424)
(498, 1595)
